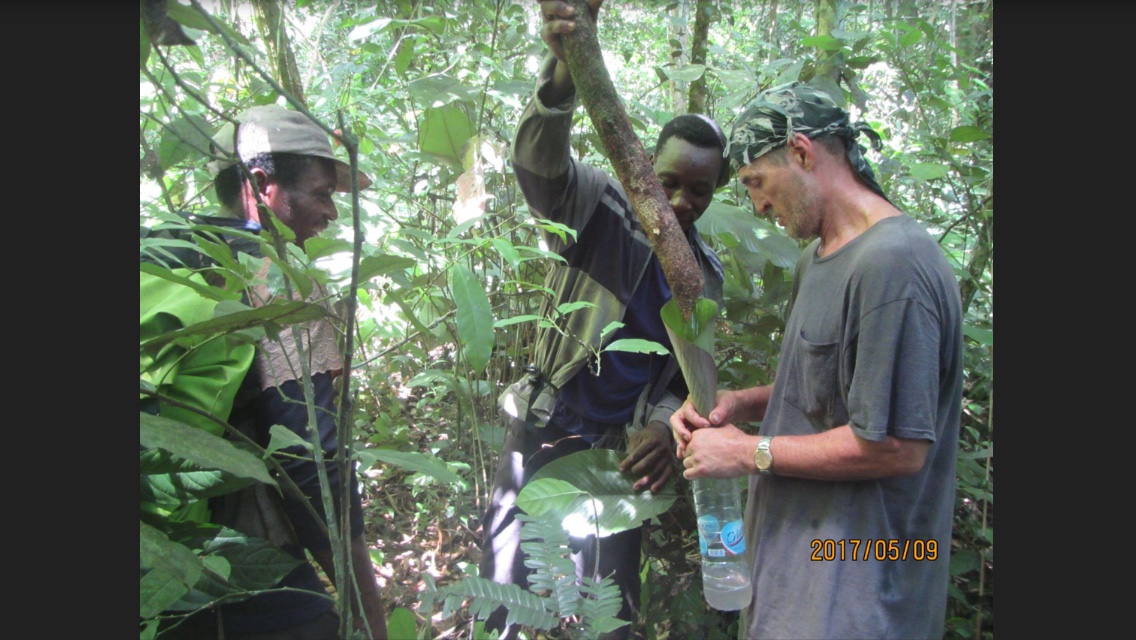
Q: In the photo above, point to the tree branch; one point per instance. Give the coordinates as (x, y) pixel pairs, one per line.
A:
(625, 151)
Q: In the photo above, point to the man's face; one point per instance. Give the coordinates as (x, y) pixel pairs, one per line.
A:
(688, 174)
(306, 207)
(781, 192)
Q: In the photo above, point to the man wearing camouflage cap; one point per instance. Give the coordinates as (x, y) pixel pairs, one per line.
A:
(288, 169)
(851, 488)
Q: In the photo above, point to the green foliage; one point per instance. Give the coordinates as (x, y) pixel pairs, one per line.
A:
(599, 607)
(485, 596)
(606, 503)
(401, 624)
(545, 545)
(445, 131)
(588, 609)
(200, 448)
(636, 345)
(168, 481)
(411, 461)
(474, 317)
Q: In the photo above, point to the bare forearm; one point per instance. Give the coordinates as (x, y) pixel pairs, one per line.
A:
(834, 455)
(750, 404)
(839, 454)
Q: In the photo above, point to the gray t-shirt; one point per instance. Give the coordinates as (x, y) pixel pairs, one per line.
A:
(873, 339)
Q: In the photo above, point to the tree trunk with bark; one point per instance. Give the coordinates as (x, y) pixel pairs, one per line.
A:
(696, 103)
(828, 18)
(625, 151)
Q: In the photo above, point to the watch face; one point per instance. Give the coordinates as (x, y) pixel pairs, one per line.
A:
(762, 460)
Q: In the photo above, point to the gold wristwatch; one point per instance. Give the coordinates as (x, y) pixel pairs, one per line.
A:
(763, 457)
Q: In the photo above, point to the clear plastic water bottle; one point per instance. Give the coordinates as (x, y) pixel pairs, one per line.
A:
(721, 538)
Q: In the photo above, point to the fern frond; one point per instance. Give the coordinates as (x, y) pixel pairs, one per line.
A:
(546, 553)
(599, 608)
(524, 607)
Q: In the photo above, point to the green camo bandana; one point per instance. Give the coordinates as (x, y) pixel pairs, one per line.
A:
(798, 108)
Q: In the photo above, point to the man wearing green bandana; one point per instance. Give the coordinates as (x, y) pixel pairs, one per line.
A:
(851, 477)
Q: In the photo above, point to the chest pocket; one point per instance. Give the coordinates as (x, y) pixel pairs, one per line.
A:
(813, 382)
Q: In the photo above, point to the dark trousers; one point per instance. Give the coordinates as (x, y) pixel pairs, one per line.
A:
(526, 450)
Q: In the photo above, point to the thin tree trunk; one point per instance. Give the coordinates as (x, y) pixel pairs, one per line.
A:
(677, 32)
(703, 10)
(625, 151)
(983, 253)
(828, 18)
(270, 20)
(773, 25)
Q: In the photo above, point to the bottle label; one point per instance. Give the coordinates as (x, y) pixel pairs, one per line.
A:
(707, 535)
(733, 537)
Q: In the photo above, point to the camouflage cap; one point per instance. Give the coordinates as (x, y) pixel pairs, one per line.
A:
(779, 112)
(274, 129)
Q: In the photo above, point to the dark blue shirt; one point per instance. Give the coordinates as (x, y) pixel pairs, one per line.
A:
(588, 404)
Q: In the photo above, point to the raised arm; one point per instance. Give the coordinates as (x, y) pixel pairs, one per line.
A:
(555, 187)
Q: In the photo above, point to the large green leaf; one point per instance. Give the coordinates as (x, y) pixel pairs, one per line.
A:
(429, 377)
(608, 501)
(968, 134)
(507, 251)
(569, 307)
(372, 266)
(409, 460)
(173, 560)
(636, 345)
(439, 90)
(185, 139)
(981, 336)
(401, 624)
(318, 247)
(790, 73)
(158, 591)
(693, 343)
(910, 38)
(685, 73)
(824, 43)
(929, 171)
(474, 317)
(505, 322)
(699, 329)
(235, 564)
(492, 435)
(758, 241)
(278, 312)
(188, 16)
(405, 57)
(213, 293)
(558, 229)
(199, 447)
(547, 494)
(281, 437)
(169, 481)
(368, 28)
(253, 563)
(444, 133)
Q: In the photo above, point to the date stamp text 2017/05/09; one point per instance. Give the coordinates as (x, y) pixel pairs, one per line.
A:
(882, 549)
